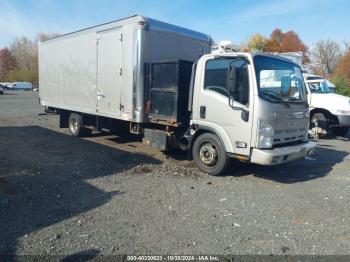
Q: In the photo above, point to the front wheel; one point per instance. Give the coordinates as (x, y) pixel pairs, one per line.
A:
(340, 131)
(209, 154)
(319, 120)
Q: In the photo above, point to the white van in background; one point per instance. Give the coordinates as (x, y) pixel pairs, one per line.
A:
(6, 85)
(22, 86)
(17, 85)
(328, 111)
(319, 82)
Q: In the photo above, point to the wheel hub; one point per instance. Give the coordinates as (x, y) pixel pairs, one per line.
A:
(208, 154)
(74, 125)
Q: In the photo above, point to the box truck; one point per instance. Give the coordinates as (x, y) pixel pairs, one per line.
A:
(162, 82)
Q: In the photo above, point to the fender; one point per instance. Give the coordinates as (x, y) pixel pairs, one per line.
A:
(331, 118)
(197, 129)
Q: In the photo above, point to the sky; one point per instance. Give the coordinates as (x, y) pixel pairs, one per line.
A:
(234, 20)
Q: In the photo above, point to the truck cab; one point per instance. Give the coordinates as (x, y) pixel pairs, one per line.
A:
(328, 111)
(252, 107)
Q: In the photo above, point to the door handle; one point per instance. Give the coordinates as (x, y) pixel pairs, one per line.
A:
(202, 111)
(99, 93)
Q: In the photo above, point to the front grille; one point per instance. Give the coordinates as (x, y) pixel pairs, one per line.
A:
(289, 137)
(286, 139)
(293, 143)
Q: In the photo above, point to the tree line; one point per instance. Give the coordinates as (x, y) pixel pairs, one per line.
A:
(19, 61)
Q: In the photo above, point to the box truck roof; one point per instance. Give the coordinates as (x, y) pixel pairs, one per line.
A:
(151, 24)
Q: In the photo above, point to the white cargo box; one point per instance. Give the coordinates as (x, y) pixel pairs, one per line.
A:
(104, 70)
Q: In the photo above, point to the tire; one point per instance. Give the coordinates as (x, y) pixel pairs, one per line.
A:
(75, 125)
(209, 155)
(320, 119)
(340, 131)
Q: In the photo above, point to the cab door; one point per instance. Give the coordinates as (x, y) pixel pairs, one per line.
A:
(109, 71)
(229, 116)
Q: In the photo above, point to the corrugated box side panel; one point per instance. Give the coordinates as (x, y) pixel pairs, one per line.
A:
(67, 69)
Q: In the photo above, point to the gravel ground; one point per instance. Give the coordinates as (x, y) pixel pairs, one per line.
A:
(108, 195)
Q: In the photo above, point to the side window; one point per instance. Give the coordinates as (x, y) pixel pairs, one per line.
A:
(314, 87)
(216, 71)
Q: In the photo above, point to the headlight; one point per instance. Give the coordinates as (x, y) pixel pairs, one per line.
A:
(342, 112)
(265, 135)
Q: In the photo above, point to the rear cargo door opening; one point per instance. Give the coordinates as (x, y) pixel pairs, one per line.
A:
(109, 71)
(169, 90)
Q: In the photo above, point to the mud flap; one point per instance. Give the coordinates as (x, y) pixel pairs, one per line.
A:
(64, 115)
(155, 138)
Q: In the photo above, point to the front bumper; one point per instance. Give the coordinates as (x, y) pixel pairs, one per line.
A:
(344, 120)
(281, 155)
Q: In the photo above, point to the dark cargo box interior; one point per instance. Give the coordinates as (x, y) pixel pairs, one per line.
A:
(169, 92)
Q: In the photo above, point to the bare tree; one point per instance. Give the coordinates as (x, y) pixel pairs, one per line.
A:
(2, 73)
(327, 53)
(346, 45)
(24, 52)
(7, 63)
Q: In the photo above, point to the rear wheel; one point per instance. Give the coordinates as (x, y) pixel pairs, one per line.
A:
(75, 124)
(340, 131)
(209, 154)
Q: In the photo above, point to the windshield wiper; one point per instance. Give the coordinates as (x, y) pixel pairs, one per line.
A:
(294, 99)
(276, 97)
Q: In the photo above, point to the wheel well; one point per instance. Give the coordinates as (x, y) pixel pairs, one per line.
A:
(201, 131)
(325, 112)
(331, 119)
(64, 117)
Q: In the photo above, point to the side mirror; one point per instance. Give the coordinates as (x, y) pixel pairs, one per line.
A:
(245, 115)
(233, 74)
(231, 81)
(286, 85)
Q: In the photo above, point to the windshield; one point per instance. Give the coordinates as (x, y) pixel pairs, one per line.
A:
(319, 87)
(279, 81)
